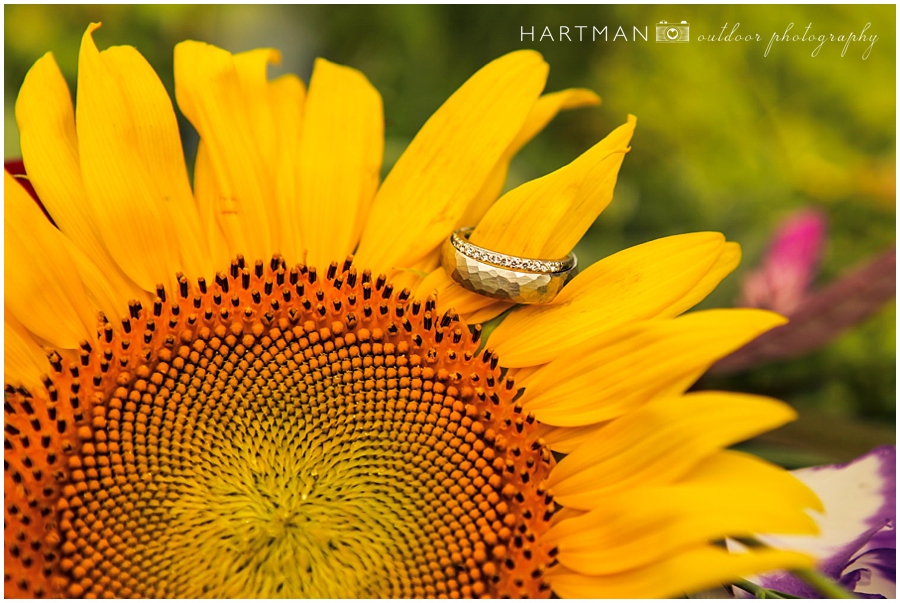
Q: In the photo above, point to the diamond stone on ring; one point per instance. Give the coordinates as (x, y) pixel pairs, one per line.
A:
(507, 277)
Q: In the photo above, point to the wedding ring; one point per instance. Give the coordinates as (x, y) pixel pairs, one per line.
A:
(501, 276)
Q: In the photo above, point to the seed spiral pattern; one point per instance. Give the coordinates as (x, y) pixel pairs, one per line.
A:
(278, 433)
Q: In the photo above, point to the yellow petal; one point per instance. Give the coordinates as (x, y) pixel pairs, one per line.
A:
(24, 361)
(734, 468)
(43, 288)
(251, 67)
(544, 110)
(567, 439)
(408, 278)
(46, 122)
(211, 95)
(101, 292)
(687, 572)
(161, 153)
(643, 525)
(546, 217)
(288, 96)
(661, 442)
(448, 161)
(634, 284)
(208, 196)
(488, 312)
(623, 368)
(725, 265)
(129, 214)
(341, 150)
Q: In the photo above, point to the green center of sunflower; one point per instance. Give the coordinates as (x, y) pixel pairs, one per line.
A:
(281, 434)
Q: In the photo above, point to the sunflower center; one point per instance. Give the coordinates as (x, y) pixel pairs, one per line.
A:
(281, 433)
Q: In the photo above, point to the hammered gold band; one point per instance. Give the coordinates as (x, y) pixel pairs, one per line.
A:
(501, 276)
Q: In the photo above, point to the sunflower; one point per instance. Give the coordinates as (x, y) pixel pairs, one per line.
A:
(265, 385)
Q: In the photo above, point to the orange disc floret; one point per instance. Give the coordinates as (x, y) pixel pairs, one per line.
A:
(278, 432)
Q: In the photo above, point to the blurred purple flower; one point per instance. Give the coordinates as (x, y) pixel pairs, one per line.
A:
(857, 545)
(790, 264)
(818, 316)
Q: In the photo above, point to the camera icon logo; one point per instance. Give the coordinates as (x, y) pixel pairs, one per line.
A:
(671, 32)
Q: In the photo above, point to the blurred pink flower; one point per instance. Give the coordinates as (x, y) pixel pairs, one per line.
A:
(790, 264)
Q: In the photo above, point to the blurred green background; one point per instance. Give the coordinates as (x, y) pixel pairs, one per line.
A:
(728, 139)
